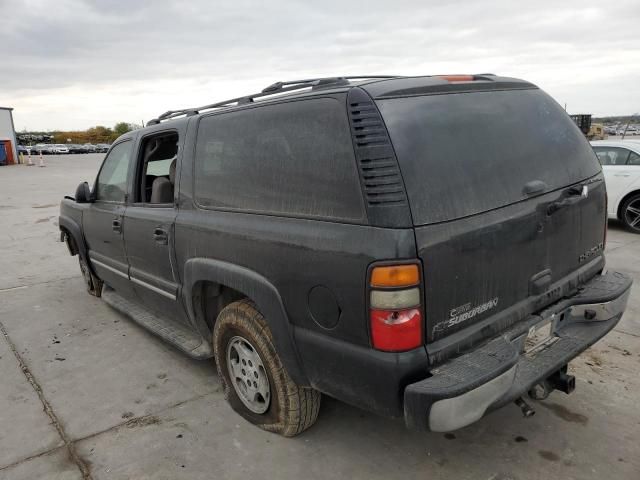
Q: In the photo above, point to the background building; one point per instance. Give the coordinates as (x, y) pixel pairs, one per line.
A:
(7, 136)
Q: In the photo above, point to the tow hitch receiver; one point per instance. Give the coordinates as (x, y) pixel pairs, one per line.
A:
(562, 381)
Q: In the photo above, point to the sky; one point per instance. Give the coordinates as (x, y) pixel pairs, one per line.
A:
(73, 64)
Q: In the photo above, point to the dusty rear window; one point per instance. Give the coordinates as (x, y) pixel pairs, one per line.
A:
(292, 159)
(466, 153)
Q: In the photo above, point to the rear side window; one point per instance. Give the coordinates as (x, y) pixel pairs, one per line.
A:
(292, 158)
(612, 155)
(466, 153)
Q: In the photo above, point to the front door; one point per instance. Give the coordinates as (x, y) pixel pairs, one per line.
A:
(103, 221)
(150, 220)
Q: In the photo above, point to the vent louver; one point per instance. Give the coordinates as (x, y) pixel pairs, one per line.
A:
(378, 166)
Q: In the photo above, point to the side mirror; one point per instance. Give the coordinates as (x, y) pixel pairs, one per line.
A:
(83, 193)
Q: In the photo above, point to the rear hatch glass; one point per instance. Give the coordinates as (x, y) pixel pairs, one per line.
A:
(465, 153)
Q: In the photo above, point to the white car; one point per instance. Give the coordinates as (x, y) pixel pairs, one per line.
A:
(59, 148)
(620, 161)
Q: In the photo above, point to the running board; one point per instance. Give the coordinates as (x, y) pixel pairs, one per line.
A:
(184, 339)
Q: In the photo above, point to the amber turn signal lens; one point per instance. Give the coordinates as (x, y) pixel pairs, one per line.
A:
(395, 276)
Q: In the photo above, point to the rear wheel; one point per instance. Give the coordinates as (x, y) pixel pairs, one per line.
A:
(256, 384)
(630, 214)
(93, 283)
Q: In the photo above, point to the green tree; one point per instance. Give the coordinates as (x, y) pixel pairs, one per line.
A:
(121, 128)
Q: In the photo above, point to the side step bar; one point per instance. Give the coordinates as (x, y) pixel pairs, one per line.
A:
(181, 336)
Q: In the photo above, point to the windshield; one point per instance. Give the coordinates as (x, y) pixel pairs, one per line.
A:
(466, 153)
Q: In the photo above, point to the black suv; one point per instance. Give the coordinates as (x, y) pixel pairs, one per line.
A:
(425, 247)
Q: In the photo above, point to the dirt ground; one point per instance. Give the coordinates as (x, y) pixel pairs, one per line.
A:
(84, 392)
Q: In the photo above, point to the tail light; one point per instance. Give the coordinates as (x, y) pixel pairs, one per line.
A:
(457, 78)
(395, 307)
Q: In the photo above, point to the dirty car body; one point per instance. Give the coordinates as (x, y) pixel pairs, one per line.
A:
(427, 247)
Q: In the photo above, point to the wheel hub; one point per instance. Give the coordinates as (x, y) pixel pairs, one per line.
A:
(248, 375)
(632, 214)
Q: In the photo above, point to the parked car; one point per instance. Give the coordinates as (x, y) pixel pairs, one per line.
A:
(620, 161)
(89, 148)
(102, 148)
(418, 247)
(58, 148)
(43, 148)
(75, 148)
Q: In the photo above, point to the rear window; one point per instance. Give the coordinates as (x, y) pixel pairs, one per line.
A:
(466, 153)
(292, 159)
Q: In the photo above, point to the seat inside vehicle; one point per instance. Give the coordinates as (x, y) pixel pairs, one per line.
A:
(158, 169)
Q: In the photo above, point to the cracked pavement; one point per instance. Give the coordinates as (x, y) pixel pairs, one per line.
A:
(85, 393)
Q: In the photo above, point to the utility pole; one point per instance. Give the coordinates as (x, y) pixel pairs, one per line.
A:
(627, 125)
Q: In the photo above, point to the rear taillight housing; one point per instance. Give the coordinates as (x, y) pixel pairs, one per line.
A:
(395, 310)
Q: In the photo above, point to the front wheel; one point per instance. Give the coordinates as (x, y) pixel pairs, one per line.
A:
(256, 384)
(630, 214)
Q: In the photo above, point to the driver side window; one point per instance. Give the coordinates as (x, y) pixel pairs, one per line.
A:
(112, 180)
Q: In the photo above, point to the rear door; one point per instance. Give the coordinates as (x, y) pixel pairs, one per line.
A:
(150, 217)
(507, 200)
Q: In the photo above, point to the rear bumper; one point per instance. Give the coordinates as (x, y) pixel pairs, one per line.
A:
(461, 391)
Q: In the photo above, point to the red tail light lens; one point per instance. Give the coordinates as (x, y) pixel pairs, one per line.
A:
(396, 330)
(457, 78)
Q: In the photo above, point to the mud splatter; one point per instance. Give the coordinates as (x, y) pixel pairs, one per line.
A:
(547, 455)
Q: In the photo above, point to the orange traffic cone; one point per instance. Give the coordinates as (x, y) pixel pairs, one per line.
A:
(29, 161)
(41, 161)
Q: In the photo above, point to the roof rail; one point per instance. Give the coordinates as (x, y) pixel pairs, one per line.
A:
(273, 89)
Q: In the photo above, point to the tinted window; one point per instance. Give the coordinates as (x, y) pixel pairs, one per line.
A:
(112, 180)
(612, 155)
(293, 158)
(634, 159)
(467, 153)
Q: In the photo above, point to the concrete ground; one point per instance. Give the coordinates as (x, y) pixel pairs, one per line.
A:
(85, 393)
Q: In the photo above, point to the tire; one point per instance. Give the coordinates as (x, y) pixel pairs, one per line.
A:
(241, 333)
(630, 214)
(93, 283)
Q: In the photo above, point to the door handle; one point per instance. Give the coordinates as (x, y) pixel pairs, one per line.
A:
(161, 236)
(116, 224)
(624, 174)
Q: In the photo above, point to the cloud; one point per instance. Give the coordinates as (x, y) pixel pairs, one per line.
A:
(74, 63)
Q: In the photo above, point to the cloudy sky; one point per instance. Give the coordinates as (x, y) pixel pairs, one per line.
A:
(72, 64)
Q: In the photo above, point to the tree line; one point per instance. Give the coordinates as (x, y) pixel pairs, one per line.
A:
(97, 134)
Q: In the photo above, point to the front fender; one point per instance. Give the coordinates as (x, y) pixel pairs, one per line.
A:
(257, 288)
(71, 227)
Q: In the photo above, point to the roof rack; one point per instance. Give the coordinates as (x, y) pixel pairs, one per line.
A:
(273, 89)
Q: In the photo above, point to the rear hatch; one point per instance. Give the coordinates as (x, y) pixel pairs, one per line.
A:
(508, 204)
